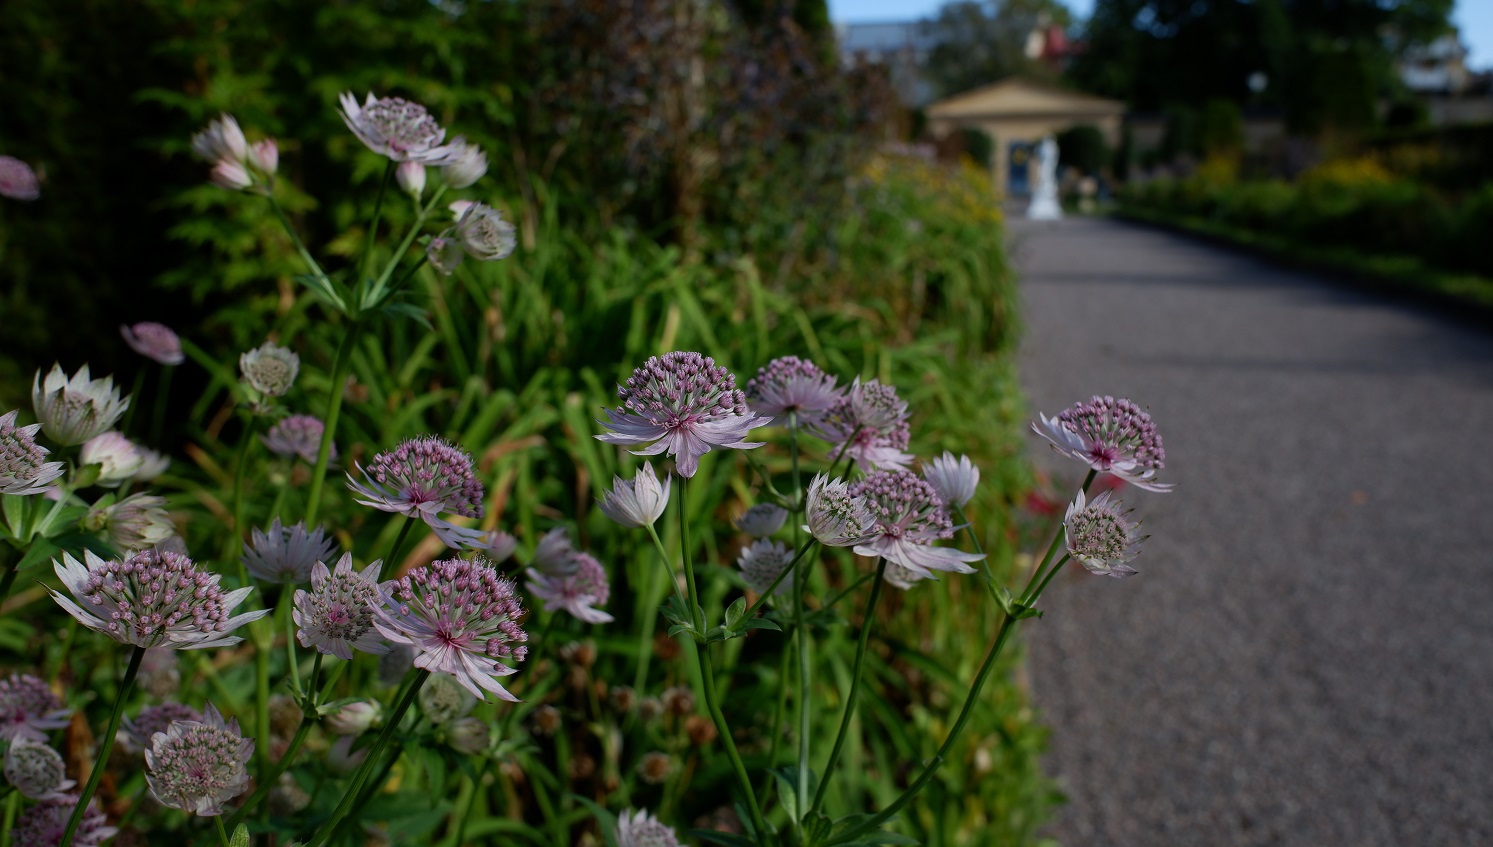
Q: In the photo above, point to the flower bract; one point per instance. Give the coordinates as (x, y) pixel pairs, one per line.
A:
(1100, 536)
(285, 554)
(197, 766)
(395, 128)
(23, 466)
(637, 503)
(953, 479)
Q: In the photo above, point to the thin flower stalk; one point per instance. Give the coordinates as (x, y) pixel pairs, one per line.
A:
(334, 410)
(271, 778)
(855, 684)
(1028, 597)
(106, 746)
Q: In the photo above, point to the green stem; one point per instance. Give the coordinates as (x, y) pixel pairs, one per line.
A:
(1050, 574)
(658, 544)
(776, 728)
(404, 531)
(466, 813)
(646, 626)
(105, 748)
(835, 600)
(222, 833)
(134, 395)
(158, 412)
(378, 211)
(263, 644)
(6, 582)
(855, 684)
(841, 453)
(334, 409)
(375, 295)
(12, 805)
(751, 611)
(1052, 549)
(300, 247)
(354, 788)
(933, 764)
(805, 687)
(236, 535)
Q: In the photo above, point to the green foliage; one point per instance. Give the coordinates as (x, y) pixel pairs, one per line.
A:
(978, 42)
(978, 145)
(1083, 147)
(1221, 128)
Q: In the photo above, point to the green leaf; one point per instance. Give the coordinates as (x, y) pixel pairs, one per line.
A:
(816, 827)
(762, 623)
(735, 612)
(787, 794)
(15, 513)
(607, 820)
(240, 836)
(726, 838)
(42, 551)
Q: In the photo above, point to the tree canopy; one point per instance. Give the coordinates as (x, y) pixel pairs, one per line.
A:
(977, 42)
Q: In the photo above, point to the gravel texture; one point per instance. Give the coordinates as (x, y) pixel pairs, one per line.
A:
(1306, 657)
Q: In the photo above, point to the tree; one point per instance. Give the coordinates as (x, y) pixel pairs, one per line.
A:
(977, 43)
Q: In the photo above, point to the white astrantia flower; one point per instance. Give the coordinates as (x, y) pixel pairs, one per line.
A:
(264, 157)
(36, 770)
(953, 479)
(838, 517)
(71, 411)
(642, 829)
(223, 139)
(134, 523)
(23, 466)
(152, 464)
(118, 458)
(1101, 536)
(483, 233)
(464, 165)
(231, 175)
(270, 369)
(337, 615)
(762, 520)
(554, 554)
(637, 503)
(868, 424)
(1110, 436)
(580, 593)
(395, 128)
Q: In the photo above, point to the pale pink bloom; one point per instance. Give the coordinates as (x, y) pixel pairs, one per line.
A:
(554, 554)
(153, 598)
(868, 424)
(134, 523)
(641, 829)
(36, 770)
(685, 405)
(464, 165)
(910, 517)
(411, 178)
(900, 577)
(762, 520)
(1111, 436)
(496, 545)
(270, 369)
(790, 385)
(152, 464)
(286, 554)
(337, 615)
(264, 157)
(222, 140)
(297, 435)
(136, 733)
(1101, 536)
(342, 758)
(953, 479)
(761, 563)
(395, 128)
(43, 825)
(421, 478)
(23, 466)
(17, 180)
(837, 516)
(637, 503)
(197, 766)
(579, 592)
(444, 253)
(230, 174)
(461, 617)
(28, 709)
(154, 341)
(73, 410)
(483, 233)
(356, 718)
(118, 458)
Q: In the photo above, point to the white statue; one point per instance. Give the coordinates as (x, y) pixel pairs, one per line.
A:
(1044, 205)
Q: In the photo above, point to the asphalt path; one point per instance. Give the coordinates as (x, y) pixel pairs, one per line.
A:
(1306, 657)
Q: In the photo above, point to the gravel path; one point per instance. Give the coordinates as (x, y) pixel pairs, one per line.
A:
(1306, 657)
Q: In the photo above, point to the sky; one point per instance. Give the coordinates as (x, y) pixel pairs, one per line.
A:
(1474, 17)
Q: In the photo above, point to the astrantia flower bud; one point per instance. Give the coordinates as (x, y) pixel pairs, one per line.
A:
(1110, 436)
(23, 466)
(464, 165)
(641, 829)
(910, 516)
(270, 369)
(637, 503)
(136, 733)
(468, 736)
(336, 616)
(579, 592)
(421, 478)
(685, 404)
(953, 479)
(285, 554)
(342, 758)
(43, 825)
(761, 563)
(411, 178)
(444, 253)
(484, 234)
(117, 457)
(74, 410)
(160, 673)
(396, 128)
(134, 523)
(297, 435)
(1100, 536)
(264, 157)
(154, 341)
(837, 517)
(762, 520)
(222, 140)
(231, 175)
(869, 424)
(152, 464)
(443, 699)
(36, 770)
(153, 598)
(197, 766)
(790, 385)
(356, 718)
(17, 180)
(465, 640)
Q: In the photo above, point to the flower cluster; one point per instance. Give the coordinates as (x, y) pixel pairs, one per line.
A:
(23, 466)
(1111, 436)
(642, 829)
(479, 232)
(285, 554)
(460, 617)
(421, 478)
(197, 766)
(154, 341)
(910, 516)
(788, 386)
(269, 369)
(134, 523)
(869, 424)
(762, 562)
(684, 404)
(297, 435)
(1101, 536)
(336, 616)
(153, 598)
(395, 128)
(237, 164)
(579, 592)
(28, 708)
(45, 823)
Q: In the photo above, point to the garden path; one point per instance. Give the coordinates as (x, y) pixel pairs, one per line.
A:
(1306, 657)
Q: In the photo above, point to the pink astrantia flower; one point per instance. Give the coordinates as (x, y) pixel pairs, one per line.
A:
(223, 139)
(762, 561)
(1111, 436)
(421, 478)
(953, 479)
(1101, 536)
(685, 404)
(460, 617)
(578, 593)
(28, 709)
(118, 458)
(136, 733)
(17, 180)
(134, 523)
(641, 829)
(868, 424)
(197, 766)
(837, 515)
(910, 516)
(900, 577)
(43, 825)
(395, 128)
(554, 554)
(286, 554)
(298, 436)
(23, 466)
(154, 341)
(483, 234)
(336, 616)
(637, 503)
(790, 385)
(153, 598)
